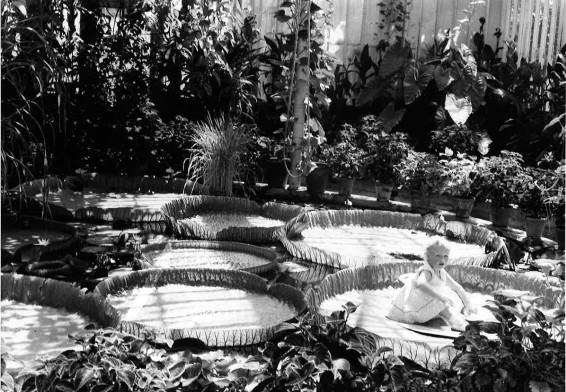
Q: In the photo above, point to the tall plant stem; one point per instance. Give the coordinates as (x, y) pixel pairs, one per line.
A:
(300, 94)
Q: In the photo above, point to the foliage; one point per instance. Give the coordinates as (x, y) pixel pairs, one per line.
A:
(259, 151)
(331, 356)
(536, 199)
(363, 67)
(140, 143)
(216, 156)
(32, 83)
(459, 139)
(110, 361)
(206, 56)
(344, 157)
(295, 63)
(524, 353)
(418, 170)
(455, 175)
(395, 15)
(501, 178)
(525, 80)
(386, 152)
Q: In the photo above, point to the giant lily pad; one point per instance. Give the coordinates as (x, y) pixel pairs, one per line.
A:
(228, 218)
(210, 254)
(353, 238)
(219, 307)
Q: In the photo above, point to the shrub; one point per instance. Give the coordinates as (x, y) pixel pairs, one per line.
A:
(501, 179)
(386, 152)
(216, 156)
(459, 139)
(525, 352)
(344, 157)
(456, 175)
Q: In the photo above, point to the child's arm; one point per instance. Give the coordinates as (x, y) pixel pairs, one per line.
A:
(457, 287)
(422, 284)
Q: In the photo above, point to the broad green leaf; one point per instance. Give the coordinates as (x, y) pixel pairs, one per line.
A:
(126, 376)
(177, 369)
(415, 80)
(391, 117)
(459, 109)
(322, 355)
(394, 59)
(340, 364)
(84, 376)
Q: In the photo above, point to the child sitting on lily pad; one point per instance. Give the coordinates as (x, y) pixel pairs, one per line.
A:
(432, 293)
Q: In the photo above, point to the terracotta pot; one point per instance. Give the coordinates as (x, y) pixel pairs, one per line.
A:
(317, 180)
(346, 186)
(420, 200)
(275, 174)
(500, 216)
(534, 227)
(462, 206)
(383, 190)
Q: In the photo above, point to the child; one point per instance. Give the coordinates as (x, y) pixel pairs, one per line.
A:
(432, 293)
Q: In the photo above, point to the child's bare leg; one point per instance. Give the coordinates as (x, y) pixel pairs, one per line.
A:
(455, 319)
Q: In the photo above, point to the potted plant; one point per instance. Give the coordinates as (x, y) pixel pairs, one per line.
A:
(534, 200)
(345, 159)
(417, 171)
(386, 151)
(501, 181)
(456, 177)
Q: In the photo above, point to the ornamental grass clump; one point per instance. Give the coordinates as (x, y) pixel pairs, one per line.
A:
(216, 156)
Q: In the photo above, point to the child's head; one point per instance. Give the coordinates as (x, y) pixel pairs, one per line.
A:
(437, 252)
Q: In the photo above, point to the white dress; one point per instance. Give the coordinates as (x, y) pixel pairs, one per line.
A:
(412, 305)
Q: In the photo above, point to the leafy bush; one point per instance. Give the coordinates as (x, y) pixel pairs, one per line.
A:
(501, 179)
(386, 152)
(418, 170)
(459, 139)
(524, 353)
(455, 175)
(344, 157)
(111, 361)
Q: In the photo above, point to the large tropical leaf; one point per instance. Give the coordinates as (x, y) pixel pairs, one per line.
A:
(395, 58)
(443, 76)
(391, 117)
(374, 90)
(415, 80)
(459, 109)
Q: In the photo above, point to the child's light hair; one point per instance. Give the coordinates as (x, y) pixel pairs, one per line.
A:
(437, 243)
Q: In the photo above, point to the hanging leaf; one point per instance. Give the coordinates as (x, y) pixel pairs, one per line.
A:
(314, 7)
(281, 17)
(459, 109)
(395, 58)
